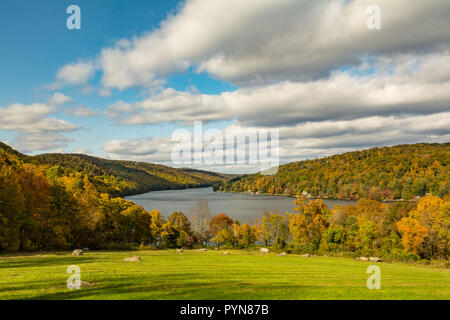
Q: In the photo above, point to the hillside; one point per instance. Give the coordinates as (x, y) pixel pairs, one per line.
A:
(59, 201)
(389, 173)
(120, 178)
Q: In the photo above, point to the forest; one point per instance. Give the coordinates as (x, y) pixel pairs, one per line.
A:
(123, 178)
(59, 202)
(404, 172)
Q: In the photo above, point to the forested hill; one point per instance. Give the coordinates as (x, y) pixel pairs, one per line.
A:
(389, 173)
(117, 178)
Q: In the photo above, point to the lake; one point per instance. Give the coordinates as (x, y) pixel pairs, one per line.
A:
(244, 207)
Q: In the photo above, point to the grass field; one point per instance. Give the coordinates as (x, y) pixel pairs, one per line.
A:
(212, 275)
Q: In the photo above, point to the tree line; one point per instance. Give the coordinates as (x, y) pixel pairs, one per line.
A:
(389, 173)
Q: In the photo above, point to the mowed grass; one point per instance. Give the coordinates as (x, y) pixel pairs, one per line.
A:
(193, 274)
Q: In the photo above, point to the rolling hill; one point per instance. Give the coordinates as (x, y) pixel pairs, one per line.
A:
(388, 173)
(118, 178)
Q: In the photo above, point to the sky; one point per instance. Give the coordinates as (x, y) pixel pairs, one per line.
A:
(138, 71)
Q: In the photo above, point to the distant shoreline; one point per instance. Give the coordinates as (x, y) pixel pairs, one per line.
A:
(166, 189)
(275, 195)
(314, 198)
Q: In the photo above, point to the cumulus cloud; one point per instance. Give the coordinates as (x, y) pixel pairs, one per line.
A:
(303, 141)
(310, 68)
(59, 99)
(37, 131)
(81, 151)
(78, 73)
(39, 142)
(137, 146)
(32, 119)
(265, 40)
(406, 85)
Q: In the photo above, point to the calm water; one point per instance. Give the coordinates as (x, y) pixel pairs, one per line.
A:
(244, 207)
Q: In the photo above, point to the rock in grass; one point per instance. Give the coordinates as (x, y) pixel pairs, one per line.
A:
(179, 250)
(305, 255)
(283, 254)
(363, 258)
(202, 249)
(226, 253)
(77, 252)
(264, 250)
(133, 259)
(86, 284)
(375, 259)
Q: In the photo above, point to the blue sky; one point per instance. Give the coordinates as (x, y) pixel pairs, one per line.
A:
(312, 70)
(38, 43)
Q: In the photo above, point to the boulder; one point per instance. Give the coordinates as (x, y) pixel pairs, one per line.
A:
(282, 254)
(77, 252)
(264, 250)
(202, 249)
(375, 259)
(132, 259)
(305, 255)
(363, 258)
(226, 253)
(86, 284)
(179, 250)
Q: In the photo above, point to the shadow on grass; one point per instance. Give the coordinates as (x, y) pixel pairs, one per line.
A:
(46, 261)
(180, 286)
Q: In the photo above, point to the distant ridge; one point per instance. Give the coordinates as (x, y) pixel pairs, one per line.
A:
(388, 173)
(121, 178)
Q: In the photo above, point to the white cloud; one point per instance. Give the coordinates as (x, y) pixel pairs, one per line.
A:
(37, 142)
(32, 119)
(405, 85)
(36, 130)
(307, 140)
(265, 40)
(59, 99)
(137, 147)
(310, 68)
(73, 74)
(81, 151)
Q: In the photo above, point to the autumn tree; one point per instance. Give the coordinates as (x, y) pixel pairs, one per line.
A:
(183, 226)
(157, 222)
(433, 213)
(275, 229)
(180, 221)
(220, 222)
(225, 237)
(246, 235)
(413, 234)
(11, 208)
(307, 226)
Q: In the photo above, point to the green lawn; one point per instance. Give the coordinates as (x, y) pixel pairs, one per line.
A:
(212, 275)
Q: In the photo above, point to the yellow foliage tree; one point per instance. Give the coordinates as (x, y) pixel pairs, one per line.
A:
(413, 234)
(308, 225)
